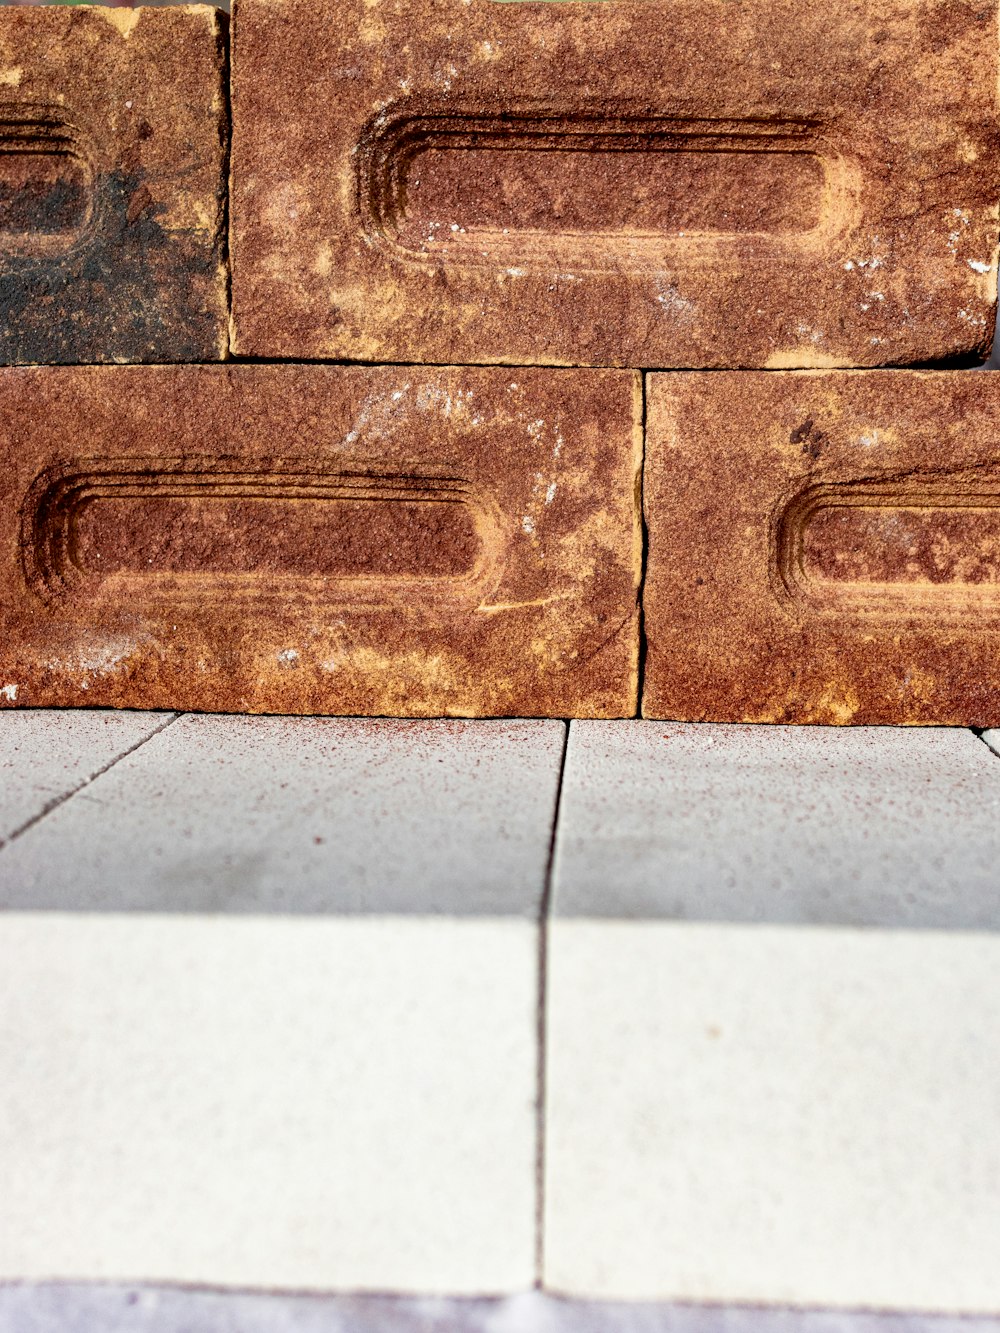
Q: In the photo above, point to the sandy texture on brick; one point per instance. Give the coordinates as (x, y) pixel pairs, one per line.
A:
(112, 193)
(641, 184)
(823, 547)
(320, 540)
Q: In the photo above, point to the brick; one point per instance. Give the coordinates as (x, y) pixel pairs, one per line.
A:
(310, 539)
(823, 547)
(431, 180)
(112, 185)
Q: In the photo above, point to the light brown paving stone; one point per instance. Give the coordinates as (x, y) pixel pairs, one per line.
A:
(633, 183)
(823, 547)
(320, 539)
(112, 190)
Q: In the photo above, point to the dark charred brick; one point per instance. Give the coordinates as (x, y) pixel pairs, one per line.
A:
(112, 185)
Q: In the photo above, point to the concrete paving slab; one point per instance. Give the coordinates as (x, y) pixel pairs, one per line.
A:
(761, 1086)
(341, 815)
(49, 1308)
(773, 1114)
(279, 1102)
(245, 1096)
(46, 755)
(858, 827)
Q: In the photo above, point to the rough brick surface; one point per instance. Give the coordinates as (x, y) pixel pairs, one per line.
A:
(320, 539)
(639, 183)
(823, 547)
(112, 189)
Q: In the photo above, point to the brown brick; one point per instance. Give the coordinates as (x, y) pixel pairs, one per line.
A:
(823, 547)
(643, 182)
(112, 190)
(320, 539)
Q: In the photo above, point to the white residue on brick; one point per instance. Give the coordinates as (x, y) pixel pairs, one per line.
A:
(9, 692)
(964, 217)
(375, 414)
(978, 321)
(670, 299)
(434, 398)
(96, 659)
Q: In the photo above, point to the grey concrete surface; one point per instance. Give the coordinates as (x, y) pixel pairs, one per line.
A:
(333, 1103)
(886, 827)
(69, 1308)
(773, 1114)
(45, 755)
(254, 814)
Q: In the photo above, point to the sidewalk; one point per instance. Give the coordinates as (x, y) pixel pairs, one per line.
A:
(639, 1011)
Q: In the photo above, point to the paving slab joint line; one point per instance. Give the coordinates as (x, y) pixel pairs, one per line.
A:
(57, 801)
(980, 733)
(543, 958)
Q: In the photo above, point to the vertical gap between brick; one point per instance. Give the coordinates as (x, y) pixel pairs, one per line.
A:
(57, 801)
(980, 734)
(643, 377)
(540, 1034)
(227, 171)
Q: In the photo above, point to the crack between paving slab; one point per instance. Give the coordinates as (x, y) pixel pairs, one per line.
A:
(979, 733)
(540, 1045)
(57, 801)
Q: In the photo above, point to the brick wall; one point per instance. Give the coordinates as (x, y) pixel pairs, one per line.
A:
(522, 238)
